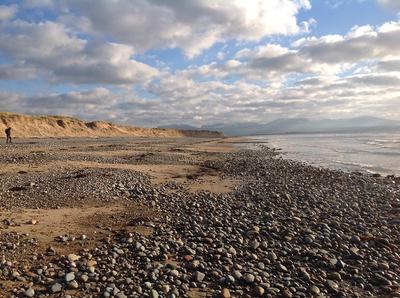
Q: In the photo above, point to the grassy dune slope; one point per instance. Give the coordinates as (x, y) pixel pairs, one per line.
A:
(26, 126)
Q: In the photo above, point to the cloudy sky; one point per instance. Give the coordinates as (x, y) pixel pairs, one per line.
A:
(157, 62)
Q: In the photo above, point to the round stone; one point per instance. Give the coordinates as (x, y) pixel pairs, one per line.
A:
(56, 288)
(69, 276)
(249, 278)
(73, 284)
(166, 289)
(259, 291)
(315, 291)
(199, 276)
(332, 285)
(225, 293)
(30, 292)
(153, 294)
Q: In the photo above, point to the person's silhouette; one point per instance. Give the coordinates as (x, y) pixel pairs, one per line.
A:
(8, 135)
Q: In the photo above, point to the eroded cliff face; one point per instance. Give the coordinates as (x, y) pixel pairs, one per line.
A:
(27, 126)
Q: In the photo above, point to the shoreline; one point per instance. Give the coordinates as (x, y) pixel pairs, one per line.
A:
(335, 163)
(173, 217)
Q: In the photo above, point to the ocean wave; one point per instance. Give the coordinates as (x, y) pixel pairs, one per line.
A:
(366, 167)
(367, 154)
(350, 163)
(349, 151)
(354, 151)
(384, 143)
(395, 141)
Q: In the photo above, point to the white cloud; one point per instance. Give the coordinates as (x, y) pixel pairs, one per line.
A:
(388, 65)
(7, 12)
(100, 45)
(395, 4)
(361, 43)
(307, 25)
(16, 72)
(330, 54)
(44, 43)
(63, 57)
(11, 101)
(354, 74)
(191, 25)
(179, 99)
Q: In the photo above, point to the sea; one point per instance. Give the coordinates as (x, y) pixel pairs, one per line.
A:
(362, 152)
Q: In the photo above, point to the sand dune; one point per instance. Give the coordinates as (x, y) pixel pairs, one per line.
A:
(27, 126)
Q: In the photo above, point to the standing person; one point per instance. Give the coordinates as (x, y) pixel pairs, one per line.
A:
(8, 135)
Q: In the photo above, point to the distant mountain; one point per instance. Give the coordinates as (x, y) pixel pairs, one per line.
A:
(237, 129)
(304, 125)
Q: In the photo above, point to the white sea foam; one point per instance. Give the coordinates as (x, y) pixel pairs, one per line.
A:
(372, 153)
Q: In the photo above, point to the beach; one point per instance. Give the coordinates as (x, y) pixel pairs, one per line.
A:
(190, 217)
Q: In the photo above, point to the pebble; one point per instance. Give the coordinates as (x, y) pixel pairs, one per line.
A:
(225, 293)
(166, 289)
(332, 285)
(56, 288)
(237, 274)
(259, 291)
(315, 291)
(30, 292)
(154, 294)
(73, 257)
(69, 276)
(335, 276)
(254, 244)
(249, 278)
(73, 284)
(287, 230)
(199, 276)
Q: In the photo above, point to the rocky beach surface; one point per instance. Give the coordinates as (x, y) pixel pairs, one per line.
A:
(150, 217)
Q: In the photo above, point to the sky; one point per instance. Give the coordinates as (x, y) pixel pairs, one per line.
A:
(199, 62)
